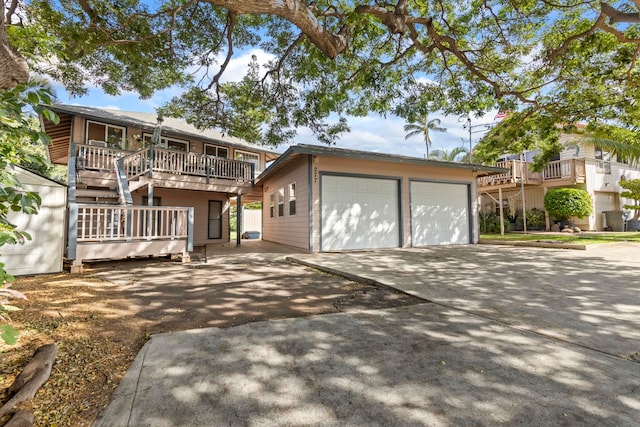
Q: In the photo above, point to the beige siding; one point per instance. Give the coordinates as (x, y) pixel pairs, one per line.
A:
(199, 200)
(292, 230)
(403, 171)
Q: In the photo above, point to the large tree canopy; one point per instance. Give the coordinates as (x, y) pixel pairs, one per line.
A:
(570, 59)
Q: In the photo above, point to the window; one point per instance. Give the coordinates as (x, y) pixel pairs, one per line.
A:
(215, 219)
(216, 151)
(249, 157)
(170, 143)
(272, 207)
(280, 201)
(113, 136)
(603, 161)
(292, 198)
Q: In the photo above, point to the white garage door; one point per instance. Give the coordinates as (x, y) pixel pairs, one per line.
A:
(439, 213)
(359, 213)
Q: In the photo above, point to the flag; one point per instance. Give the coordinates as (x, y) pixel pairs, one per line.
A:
(501, 115)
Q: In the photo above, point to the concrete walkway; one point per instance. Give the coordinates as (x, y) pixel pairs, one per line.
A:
(482, 353)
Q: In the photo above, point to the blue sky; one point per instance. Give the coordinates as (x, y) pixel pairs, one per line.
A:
(371, 133)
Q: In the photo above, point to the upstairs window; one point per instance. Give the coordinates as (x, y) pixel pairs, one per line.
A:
(104, 134)
(214, 150)
(603, 161)
(244, 156)
(292, 198)
(170, 143)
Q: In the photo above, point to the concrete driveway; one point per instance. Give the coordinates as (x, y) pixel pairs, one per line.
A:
(589, 298)
(509, 336)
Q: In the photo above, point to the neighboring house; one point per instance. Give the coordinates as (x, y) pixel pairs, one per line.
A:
(321, 198)
(579, 165)
(129, 197)
(42, 254)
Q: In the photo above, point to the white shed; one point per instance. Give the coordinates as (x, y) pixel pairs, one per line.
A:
(44, 252)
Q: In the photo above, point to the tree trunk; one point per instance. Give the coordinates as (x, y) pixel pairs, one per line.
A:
(31, 378)
(13, 67)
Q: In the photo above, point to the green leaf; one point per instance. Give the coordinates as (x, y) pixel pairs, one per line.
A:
(9, 334)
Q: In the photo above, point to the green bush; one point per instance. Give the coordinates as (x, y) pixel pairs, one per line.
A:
(632, 191)
(563, 203)
(490, 222)
(535, 218)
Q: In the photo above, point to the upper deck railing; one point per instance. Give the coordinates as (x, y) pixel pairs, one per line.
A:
(572, 170)
(137, 163)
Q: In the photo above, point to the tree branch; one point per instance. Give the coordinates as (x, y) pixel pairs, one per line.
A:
(300, 15)
(231, 23)
(615, 15)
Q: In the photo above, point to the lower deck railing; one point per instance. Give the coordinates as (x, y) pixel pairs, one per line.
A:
(118, 223)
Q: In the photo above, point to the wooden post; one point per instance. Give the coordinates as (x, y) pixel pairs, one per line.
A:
(501, 207)
(547, 222)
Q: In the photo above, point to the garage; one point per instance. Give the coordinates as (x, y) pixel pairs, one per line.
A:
(439, 213)
(359, 213)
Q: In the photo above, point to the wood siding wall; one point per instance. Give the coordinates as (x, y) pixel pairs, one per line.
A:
(199, 200)
(292, 230)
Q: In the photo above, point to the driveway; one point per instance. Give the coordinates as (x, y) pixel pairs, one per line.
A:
(589, 298)
(508, 336)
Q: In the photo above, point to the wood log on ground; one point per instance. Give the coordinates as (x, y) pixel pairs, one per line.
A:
(21, 418)
(31, 378)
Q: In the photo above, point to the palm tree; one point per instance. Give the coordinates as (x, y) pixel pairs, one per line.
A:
(451, 156)
(421, 128)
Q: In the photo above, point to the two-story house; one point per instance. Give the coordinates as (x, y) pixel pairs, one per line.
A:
(579, 165)
(139, 184)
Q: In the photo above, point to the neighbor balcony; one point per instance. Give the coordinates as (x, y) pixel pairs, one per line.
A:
(559, 172)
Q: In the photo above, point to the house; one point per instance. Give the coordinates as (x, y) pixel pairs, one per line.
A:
(145, 185)
(43, 253)
(579, 165)
(321, 198)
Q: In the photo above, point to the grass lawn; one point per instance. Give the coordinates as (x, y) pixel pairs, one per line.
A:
(586, 238)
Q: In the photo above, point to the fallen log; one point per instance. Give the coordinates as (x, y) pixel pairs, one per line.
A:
(34, 374)
(21, 418)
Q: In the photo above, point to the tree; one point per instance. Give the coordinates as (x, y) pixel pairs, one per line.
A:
(632, 191)
(570, 60)
(421, 127)
(15, 130)
(460, 154)
(564, 203)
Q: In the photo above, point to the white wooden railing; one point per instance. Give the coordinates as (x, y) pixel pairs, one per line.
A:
(95, 157)
(127, 223)
(169, 161)
(571, 169)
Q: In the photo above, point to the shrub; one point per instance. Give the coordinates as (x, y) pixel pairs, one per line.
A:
(490, 222)
(535, 218)
(632, 191)
(563, 203)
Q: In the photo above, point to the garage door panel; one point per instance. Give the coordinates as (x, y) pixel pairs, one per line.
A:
(439, 213)
(359, 213)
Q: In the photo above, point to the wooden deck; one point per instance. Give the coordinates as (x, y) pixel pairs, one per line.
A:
(560, 172)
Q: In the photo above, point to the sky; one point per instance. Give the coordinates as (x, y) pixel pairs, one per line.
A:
(371, 133)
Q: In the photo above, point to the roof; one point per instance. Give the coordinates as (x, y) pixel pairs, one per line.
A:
(318, 150)
(147, 121)
(17, 169)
